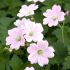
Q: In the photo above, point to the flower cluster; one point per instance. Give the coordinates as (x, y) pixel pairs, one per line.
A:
(27, 30)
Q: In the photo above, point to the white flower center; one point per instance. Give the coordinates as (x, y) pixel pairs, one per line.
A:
(18, 38)
(29, 12)
(54, 17)
(40, 52)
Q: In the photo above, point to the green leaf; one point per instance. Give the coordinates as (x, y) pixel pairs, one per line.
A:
(16, 63)
(67, 7)
(60, 53)
(67, 1)
(8, 67)
(4, 60)
(3, 4)
(4, 26)
(67, 63)
(66, 35)
(52, 2)
(2, 66)
(13, 4)
(37, 67)
(2, 13)
(49, 3)
(47, 67)
(38, 16)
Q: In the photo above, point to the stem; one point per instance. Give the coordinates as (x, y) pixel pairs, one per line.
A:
(58, 67)
(62, 31)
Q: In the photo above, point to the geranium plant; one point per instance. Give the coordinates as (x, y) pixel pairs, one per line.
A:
(37, 35)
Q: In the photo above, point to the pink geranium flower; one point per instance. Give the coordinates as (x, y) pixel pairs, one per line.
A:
(21, 23)
(15, 38)
(40, 53)
(33, 31)
(29, 68)
(27, 10)
(53, 16)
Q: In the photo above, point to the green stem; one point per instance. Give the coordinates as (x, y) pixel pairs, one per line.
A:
(58, 67)
(62, 31)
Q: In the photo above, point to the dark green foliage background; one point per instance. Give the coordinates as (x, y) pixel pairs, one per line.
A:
(17, 60)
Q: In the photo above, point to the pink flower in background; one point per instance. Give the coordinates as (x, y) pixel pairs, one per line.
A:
(21, 23)
(40, 52)
(36, 0)
(33, 32)
(29, 68)
(52, 16)
(27, 10)
(15, 38)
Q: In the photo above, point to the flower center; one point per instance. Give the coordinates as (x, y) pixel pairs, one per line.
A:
(29, 12)
(31, 34)
(18, 38)
(40, 52)
(54, 17)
